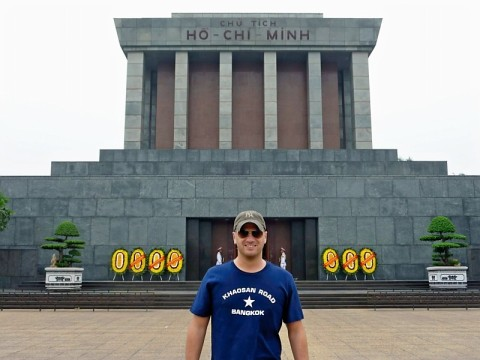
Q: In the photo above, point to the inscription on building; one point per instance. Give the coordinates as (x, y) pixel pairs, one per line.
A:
(247, 30)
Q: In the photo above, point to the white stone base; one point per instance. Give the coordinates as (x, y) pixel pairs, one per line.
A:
(58, 278)
(447, 277)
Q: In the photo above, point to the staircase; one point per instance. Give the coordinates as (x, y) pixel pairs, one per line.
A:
(180, 294)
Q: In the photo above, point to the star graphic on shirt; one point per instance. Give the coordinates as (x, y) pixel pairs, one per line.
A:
(248, 302)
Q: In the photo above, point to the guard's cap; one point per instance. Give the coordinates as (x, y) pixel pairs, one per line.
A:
(249, 216)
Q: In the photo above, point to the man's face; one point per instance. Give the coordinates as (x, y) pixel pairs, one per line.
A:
(250, 241)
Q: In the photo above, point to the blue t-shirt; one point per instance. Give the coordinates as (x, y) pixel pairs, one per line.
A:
(247, 310)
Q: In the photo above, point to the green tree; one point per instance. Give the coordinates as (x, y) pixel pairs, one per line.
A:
(5, 212)
(62, 242)
(444, 238)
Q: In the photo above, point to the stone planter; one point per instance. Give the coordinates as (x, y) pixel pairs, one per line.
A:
(58, 278)
(447, 277)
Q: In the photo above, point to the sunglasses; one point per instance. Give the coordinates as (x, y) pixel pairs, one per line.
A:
(255, 233)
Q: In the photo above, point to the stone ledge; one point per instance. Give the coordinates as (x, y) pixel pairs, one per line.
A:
(272, 167)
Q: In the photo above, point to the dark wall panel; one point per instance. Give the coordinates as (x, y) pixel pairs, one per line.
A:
(165, 104)
(203, 103)
(205, 247)
(292, 103)
(247, 102)
(298, 244)
(222, 237)
(331, 119)
(193, 250)
(311, 250)
(278, 236)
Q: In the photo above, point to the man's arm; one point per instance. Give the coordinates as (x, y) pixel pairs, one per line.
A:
(195, 337)
(298, 340)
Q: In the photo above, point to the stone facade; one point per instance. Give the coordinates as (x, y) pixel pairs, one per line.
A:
(143, 198)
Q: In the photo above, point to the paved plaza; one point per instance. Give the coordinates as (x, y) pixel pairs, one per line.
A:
(160, 334)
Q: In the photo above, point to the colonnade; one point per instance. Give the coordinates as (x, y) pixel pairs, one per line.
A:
(356, 104)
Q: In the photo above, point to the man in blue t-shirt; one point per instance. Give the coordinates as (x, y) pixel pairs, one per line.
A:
(247, 300)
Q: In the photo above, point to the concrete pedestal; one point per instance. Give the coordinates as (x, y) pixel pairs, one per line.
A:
(58, 278)
(447, 277)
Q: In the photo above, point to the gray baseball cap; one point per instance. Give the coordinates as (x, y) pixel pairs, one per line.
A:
(249, 216)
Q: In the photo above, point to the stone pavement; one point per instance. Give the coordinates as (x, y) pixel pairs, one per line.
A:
(160, 334)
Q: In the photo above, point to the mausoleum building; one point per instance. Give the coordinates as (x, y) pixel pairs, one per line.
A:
(230, 112)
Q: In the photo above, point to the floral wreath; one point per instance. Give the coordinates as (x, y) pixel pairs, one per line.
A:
(349, 261)
(156, 261)
(174, 261)
(138, 261)
(330, 261)
(119, 261)
(368, 261)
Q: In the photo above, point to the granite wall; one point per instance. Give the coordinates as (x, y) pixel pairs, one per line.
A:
(143, 198)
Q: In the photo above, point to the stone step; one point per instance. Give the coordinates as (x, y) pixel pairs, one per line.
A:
(183, 300)
(256, 168)
(180, 294)
(302, 285)
(264, 155)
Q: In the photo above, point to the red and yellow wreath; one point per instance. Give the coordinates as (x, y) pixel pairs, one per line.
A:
(330, 261)
(349, 261)
(156, 262)
(119, 261)
(138, 261)
(174, 261)
(368, 261)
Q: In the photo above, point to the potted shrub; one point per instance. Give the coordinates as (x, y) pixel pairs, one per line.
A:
(5, 212)
(446, 271)
(61, 274)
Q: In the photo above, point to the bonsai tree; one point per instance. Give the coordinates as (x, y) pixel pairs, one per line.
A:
(5, 212)
(63, 242)
(444, 238)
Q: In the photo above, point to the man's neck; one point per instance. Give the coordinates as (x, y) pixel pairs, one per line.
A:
(249, 265)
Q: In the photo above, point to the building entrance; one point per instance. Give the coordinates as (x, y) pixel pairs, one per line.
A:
(278, 236)
(206, 237)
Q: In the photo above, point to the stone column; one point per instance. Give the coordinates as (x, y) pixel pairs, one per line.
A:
(134, 100)
(270, 100)
(315, 116)
(362, 126)
(347, 109)
(180, 111)
(225, 101)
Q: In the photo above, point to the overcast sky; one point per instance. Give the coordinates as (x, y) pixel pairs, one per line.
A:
(63, 75)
